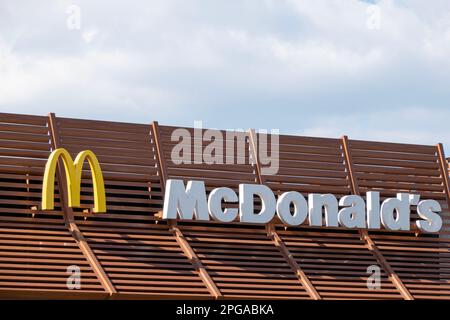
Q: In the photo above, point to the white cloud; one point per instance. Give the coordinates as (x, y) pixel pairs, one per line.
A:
(296, 65)
(409, 125)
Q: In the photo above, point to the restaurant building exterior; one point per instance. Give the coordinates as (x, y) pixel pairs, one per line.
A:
(131, 252)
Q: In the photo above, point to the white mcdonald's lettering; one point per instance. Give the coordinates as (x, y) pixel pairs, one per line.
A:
(351, 211)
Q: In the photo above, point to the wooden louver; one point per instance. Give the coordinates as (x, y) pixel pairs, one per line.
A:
(129, 252)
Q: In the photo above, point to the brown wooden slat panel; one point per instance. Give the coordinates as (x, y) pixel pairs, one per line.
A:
(144, 260)
(244, 263)
(394, 147)
(214, 175)
(391, 168)
(322, 171)
(413, 161)
(150, 251)
(36, 247)
(421, 262)
(136, 254)
(336, 262)
(126, 168)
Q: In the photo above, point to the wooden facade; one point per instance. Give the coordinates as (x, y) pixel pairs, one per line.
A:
(130, 253)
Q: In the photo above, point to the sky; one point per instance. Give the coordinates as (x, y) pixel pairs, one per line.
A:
(375, 70)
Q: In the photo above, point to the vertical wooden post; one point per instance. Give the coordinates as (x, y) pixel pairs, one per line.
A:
(287, 255)
(69, 216)
(395, 279)
(272, 233)
(349, 166)
(444, 171)
(172, 224)
(196, 262)
(60, 173)
(162, 164)
(254, 149)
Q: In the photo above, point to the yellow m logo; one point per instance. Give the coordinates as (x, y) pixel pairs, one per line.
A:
(73, 176)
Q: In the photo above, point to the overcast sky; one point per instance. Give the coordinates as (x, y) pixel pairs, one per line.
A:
(377, 70)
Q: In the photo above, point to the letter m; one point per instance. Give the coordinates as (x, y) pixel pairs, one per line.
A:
(186, 202)
(73, 170)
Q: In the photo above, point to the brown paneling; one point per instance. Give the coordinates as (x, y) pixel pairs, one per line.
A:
(214, 175)
(36, 247)
(310, 165)
(231, 253)
(271, 229)
(392, 168)
(336, 263)
(418, 259)
(421, 262)
(147, 258)
(69, 216)
(243, 262)
(139, 255)
(364, 234)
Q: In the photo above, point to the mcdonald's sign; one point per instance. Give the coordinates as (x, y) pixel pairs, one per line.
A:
(73, 170)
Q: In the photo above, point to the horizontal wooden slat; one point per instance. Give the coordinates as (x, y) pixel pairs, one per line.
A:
(141, 256)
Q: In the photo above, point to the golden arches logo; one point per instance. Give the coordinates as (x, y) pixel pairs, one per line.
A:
(73, 171)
